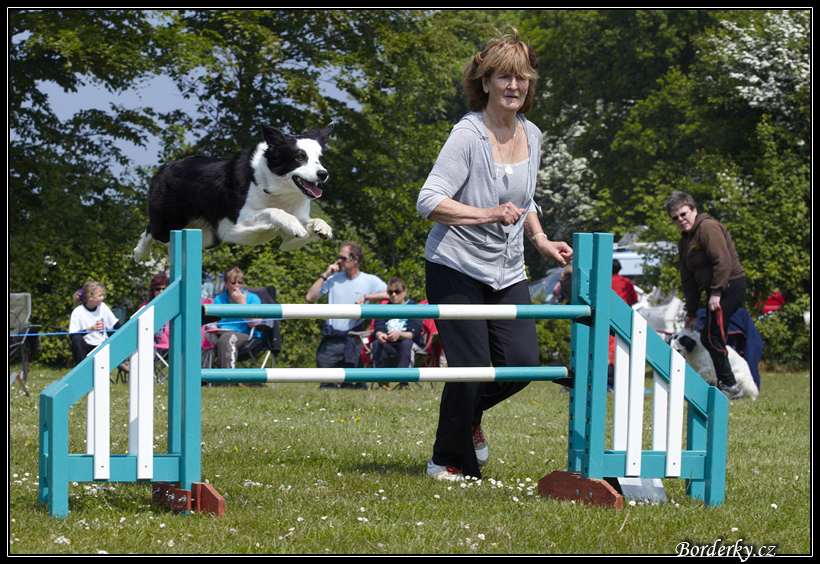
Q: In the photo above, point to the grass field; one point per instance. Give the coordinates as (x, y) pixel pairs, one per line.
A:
(331, 472)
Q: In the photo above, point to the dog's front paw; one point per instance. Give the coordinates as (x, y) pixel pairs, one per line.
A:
(320, 227)
(293, 227)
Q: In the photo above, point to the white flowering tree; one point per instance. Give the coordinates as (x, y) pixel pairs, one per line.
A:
(636, 104)
(767, 63)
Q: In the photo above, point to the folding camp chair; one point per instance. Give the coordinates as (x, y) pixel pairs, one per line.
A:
(257, 352)
(428, 355)
(23, 338)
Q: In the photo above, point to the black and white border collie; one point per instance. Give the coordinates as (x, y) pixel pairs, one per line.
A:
(248, 200)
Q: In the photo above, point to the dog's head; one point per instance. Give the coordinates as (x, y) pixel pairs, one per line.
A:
(685, 340)
(298, 158)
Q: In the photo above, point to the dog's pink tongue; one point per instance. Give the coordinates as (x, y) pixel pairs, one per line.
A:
(313, 188)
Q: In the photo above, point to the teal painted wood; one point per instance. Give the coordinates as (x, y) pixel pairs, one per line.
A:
(653, 464)
(191, 308)
(714, 490)
(174, 381)
(579, 354)
(703, 462)
(58, 467)
(600, 290)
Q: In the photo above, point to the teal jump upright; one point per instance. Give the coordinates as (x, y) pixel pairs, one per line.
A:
(595, 312)
(591, 465)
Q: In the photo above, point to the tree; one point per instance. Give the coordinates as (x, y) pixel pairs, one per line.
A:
(68, 211)
(407, 88)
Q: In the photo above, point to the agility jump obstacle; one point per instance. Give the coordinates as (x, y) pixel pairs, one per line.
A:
(679, 394)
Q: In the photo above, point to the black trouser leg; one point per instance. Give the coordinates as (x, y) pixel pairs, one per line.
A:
(713, 335)
(475, 343)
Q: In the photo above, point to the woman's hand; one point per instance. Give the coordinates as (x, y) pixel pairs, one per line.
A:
(505, 214)
(559, 251)
(237, 296)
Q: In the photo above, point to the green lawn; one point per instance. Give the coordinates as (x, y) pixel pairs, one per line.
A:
(309, 471)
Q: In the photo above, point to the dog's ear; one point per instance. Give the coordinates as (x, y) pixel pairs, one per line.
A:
(687, 342)
(323, 135)
(272, 136)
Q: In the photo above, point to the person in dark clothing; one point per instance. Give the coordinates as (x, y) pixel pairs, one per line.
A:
(398, 337)
(709, 264)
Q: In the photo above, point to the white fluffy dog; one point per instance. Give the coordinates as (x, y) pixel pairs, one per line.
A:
(687, 343)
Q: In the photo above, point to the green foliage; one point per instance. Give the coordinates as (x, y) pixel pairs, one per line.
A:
(786, 335)
(68, 211)
(553, 340)
(731, 130)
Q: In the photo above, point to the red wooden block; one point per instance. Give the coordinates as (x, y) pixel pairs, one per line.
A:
(171, 496)
(208, 500)
(569, 486)
(202, 498)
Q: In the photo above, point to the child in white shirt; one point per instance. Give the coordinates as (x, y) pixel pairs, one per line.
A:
(90, 321)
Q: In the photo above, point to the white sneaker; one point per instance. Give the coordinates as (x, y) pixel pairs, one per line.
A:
(482, 449)
(443, 472)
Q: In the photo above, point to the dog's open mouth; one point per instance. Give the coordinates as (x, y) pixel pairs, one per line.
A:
(310, 189)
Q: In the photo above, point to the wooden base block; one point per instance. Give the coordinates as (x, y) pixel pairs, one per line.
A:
(571, 486)
(202, 498)
(207, 500)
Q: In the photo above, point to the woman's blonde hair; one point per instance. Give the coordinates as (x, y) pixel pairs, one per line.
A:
(233, 273)
(507, 54)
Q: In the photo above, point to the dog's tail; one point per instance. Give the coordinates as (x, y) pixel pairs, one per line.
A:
(143, 249)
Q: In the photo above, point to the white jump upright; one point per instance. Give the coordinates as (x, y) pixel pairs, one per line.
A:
(595, 311)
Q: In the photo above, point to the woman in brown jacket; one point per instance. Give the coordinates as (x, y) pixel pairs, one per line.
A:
(709, 264)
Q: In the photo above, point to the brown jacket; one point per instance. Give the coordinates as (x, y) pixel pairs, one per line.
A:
(708, 261)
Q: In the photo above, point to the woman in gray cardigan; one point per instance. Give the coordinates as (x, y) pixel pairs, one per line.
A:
(480, 196)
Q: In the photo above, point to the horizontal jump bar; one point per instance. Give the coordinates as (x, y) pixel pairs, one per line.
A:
(349, 375)
(390, 311)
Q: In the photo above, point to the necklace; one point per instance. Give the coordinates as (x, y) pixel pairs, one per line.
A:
(508, 170)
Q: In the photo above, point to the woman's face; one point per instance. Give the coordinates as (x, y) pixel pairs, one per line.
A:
(684, 218)
(234, 286)
(507, 92)
(397, 294)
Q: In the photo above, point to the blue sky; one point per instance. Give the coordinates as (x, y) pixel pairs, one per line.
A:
(160, 94)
